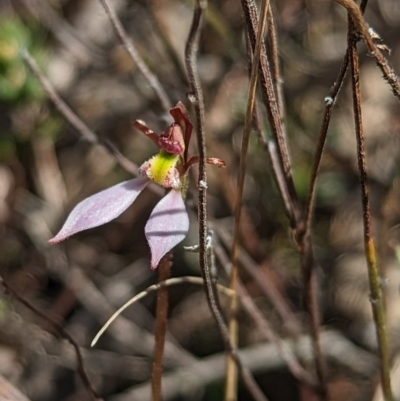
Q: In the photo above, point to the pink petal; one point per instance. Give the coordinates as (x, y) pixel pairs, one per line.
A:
(167, 226)
(101, 208)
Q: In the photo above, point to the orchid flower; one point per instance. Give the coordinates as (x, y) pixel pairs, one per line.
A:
(168, 223)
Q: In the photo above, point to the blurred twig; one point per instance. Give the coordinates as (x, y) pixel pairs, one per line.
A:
(61, 332)
(254, 312)
(269, 288)
(369, 242)
(127, 42)
(260, 358)
(10, 393)
(64, 32)
(124, 331)
(73, 119)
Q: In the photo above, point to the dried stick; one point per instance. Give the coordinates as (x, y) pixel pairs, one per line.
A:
(278, 300)
(63, 31)
(164, 271)
(73, 119)
(276, 71)
(270, 147)
(60, 330)
(388, 74)
(254, 312)
(127, 42)
(297, 222)
(261, 358)
(369, 242)
(231, 368)
(155, 287)
(269, 144)
(196, 97)
(330, 101)
(10, 392)
(270, 102)
(164, 35)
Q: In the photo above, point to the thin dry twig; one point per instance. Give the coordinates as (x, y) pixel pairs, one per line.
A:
(278, 300)
(377, 303)
(231, 369)
(270, 147)
(63, 31)
(297, 222)
(268, 93)
(388, 74)
(61, 332)
(196, 97)
(73, 119)
(133, 53)
(125, 332)
(10, 392)
(157, 15)
(251, 308)
(276, 71)
(147, 291)
(330, 101)
(260, 358)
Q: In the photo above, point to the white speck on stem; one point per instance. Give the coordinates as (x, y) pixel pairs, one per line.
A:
(191, 248)
(328, 100)
(203, 184)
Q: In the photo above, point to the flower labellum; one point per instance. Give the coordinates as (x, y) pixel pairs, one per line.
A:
(161, 169)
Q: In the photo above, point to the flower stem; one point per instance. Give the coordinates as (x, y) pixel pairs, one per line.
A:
(164, 271)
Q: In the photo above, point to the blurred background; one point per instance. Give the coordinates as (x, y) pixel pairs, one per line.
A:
(47, 167)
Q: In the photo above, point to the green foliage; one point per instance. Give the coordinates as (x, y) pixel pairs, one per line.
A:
(16, 84)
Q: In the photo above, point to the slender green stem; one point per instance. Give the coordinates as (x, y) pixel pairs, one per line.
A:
(369, 243)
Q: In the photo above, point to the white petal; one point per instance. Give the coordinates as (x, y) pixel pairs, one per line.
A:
(167, 226)
(101, 208)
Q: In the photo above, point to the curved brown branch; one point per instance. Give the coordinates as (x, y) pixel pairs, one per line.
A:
(62, 333)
